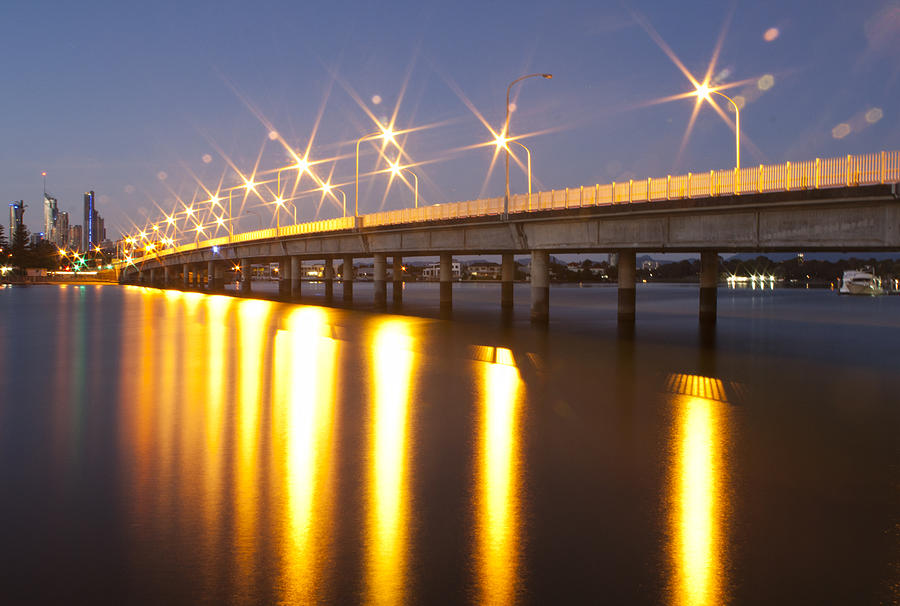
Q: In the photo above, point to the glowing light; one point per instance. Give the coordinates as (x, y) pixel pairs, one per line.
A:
(501, 142)
(273, 134)
(874, 115)
(840, 131)
(326, 187)
(189, 212)
(387, 134)
(395, 168)
(498, 480)
(143, 235)
(771, 34)
(170, 219)
(697, 491)
(155, 227)
(302, 165)
(249, 185)
(220, 221)
(279, 201)
(388, 520)
(703, 91)
(376, 99)
(766, 82)
(215, 200)
(199, 229)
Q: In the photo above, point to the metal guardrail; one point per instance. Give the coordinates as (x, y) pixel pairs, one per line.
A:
(821, 173)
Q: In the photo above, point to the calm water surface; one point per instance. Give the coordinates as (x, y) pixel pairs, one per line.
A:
(168, 447)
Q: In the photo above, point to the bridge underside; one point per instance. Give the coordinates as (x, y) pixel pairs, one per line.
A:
(861, 218)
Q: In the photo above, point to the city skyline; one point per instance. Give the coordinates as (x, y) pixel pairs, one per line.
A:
(816, 84)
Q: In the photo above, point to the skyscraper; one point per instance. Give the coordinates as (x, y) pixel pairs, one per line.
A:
(75, 237)
(16, 216)
(51, 215)
(62, 229)
(90, 221)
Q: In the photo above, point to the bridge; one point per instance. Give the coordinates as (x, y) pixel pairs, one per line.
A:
(834, 204)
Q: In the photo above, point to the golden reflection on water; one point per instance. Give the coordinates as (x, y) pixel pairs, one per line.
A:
(498, 482)
(252, 319)
(388, 490)
(304, 416)
(698, 493)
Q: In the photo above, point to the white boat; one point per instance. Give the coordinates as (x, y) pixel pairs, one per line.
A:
(861, 282)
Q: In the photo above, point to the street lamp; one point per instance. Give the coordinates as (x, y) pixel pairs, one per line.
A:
(504, 142)
(704, 91)
(388, 135)
(328, 188)
(506, 135)
(396, 169)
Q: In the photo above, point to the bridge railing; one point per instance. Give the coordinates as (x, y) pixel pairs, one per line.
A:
(846, 171)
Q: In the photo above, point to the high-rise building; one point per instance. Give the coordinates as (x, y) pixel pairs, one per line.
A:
(16, 216)
(75, 237)
(62, 229)
(90, 221)
(51, 214)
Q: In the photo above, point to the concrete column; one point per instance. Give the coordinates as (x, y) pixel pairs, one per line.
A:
(167, 276)
(507, 275)
(380, 280)
(446, 277)
(540, 286)
(296, 276)
(201, 276)
(245, 276)
(186, 275)
(709, 280)
(284, 277)
(220, 276)
(397, 270)
(347, 278)
(153, 276)
(626, 285)
(211, 284)
(328, 278)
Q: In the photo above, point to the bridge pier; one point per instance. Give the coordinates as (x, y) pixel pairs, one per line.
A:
(709, 280)
(296, 275)
(627, 276)
(380, 280)
(328, 278)
(397, 277)
(446, 277)
(507, 276)
(167, 276)
(246, 272)
(284, 276)
(201, 276)
(185, 276)
(347, 278)
(540, 286)
(153, 277)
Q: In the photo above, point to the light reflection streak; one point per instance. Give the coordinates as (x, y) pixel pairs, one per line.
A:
(698, 493)
(388, 489)
(304, 393)
(498, 483)
(253, 316)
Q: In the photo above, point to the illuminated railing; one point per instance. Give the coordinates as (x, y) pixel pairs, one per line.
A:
(846, 171)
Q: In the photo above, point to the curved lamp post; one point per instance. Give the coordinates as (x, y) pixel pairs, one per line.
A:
(328, 188)
(396, 169)
(506, 134)
(703, 91)
(387, 135)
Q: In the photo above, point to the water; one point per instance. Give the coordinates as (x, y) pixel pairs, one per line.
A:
(166, 447)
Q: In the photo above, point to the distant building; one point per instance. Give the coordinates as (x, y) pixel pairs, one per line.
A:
(16, 216)
(650, 264)
(484, 271)
(62, 229)
(93, 231)
(51, 217)
(75, 237)
(35, 239)
(433, 271)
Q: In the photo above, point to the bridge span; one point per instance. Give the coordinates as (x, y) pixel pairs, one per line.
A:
(843, 204)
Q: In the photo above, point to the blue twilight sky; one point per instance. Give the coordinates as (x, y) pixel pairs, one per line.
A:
(131, 99)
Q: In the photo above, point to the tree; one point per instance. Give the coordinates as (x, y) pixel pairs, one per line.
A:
(20, 248)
